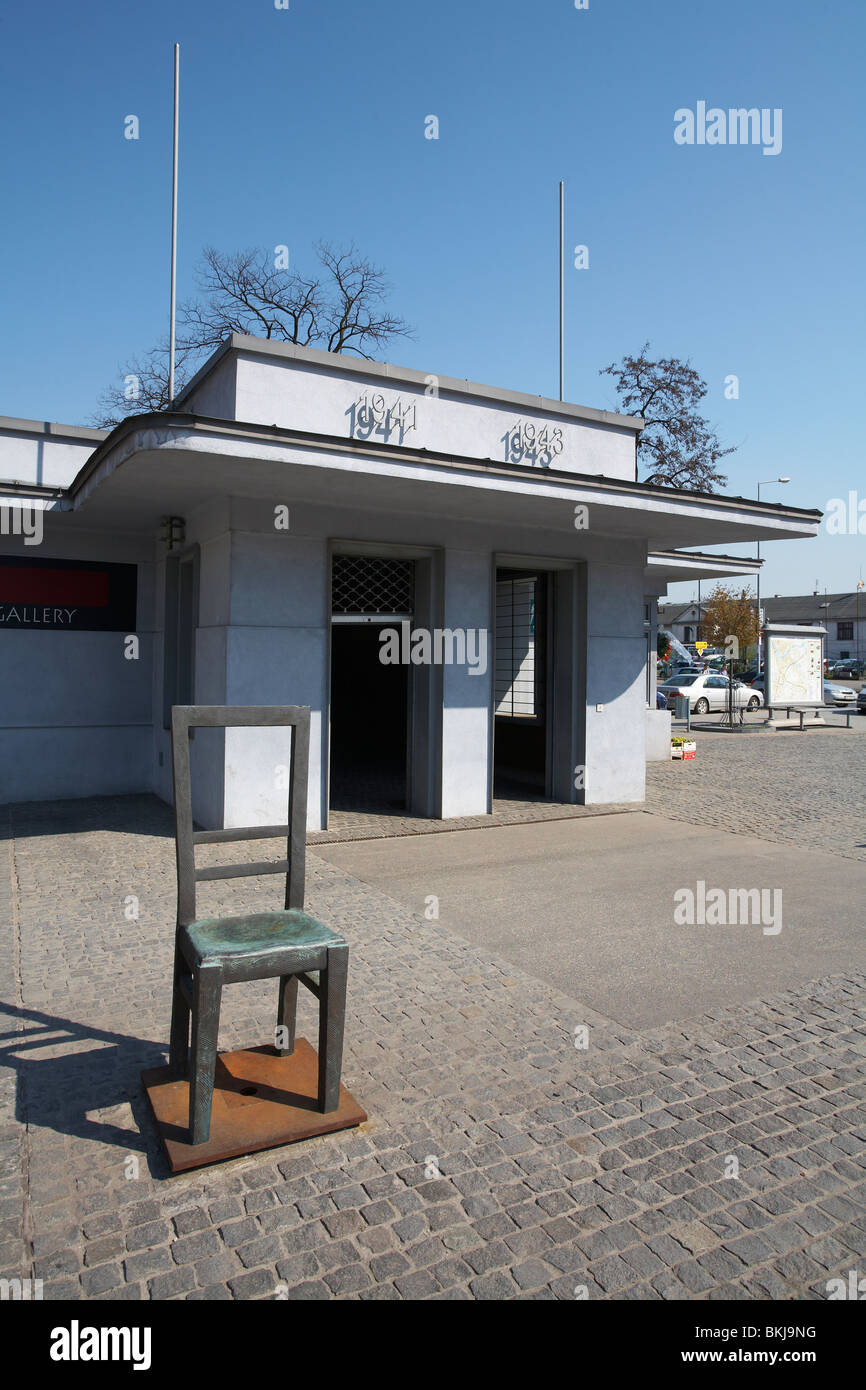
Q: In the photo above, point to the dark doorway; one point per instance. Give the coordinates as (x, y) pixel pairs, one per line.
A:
(520, 737)
(369, 722)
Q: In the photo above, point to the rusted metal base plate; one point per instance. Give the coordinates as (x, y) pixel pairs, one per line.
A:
(260, 1100)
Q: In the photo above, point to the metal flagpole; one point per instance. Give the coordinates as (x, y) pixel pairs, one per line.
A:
(561, 290)
(171, 345)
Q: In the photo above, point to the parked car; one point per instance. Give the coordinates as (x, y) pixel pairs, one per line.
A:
(861, 701)
(838, 694)
(694, 668)
(707, 691)
(833, 694)
(847, 670)
(661, 700)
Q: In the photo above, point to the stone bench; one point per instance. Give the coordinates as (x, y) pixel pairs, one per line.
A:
(789, 722)
(800, 711)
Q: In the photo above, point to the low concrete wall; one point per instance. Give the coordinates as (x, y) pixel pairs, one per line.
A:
(658, 735)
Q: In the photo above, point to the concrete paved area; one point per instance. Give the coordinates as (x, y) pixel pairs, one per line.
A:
(588, 907)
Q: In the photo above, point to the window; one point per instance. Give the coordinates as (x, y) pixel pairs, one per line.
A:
(371, 584)
(518, 684)
(844, 632)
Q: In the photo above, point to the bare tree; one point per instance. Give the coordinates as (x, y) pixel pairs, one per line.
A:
(342, 309)
(356, 319)
(143, 387)
(678, 447)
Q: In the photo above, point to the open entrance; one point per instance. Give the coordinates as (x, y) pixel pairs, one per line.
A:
(369, 723)
(370, 700)
(521, 757)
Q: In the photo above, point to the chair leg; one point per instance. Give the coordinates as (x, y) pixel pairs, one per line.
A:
(287, 1008)
(332, 1013)
(207, 990)
(179, 1037)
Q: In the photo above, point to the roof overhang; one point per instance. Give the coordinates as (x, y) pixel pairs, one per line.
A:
(677, 566)
(151, 465)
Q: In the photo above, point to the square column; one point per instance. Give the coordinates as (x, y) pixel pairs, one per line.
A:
(467, 690)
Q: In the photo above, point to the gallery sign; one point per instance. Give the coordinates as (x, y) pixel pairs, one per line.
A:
(66, 595)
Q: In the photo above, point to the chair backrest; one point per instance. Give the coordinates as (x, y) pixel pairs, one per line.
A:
(186, 717)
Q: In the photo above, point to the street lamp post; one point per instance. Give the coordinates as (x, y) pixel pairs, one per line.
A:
(857, 623)
(825, 606)
(765, 483)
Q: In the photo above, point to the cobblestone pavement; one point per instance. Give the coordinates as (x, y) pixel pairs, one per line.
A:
(805, 789)
(500, 1160)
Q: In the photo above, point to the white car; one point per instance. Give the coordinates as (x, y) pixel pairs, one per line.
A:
(835, 694)
(709, 691)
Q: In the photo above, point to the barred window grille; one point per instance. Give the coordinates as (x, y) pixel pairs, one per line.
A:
(517, 672)
(370, 584)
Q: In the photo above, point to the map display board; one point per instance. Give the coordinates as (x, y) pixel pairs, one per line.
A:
(795, 666)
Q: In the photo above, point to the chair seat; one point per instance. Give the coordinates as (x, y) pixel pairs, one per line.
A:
(261, 931)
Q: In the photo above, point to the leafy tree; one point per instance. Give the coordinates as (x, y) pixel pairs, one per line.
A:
(730, 621)
(678, 448)
(343, 308)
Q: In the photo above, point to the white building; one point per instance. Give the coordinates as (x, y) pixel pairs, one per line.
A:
(317, 499)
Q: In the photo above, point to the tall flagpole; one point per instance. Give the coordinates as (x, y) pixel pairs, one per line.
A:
(561, 290)
(171, 345)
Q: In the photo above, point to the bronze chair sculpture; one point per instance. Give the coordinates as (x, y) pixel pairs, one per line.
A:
(213, 951)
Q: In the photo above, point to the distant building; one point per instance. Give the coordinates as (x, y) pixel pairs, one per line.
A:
(843, 615)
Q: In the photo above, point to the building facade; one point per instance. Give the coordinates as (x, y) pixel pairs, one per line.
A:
(461, 582)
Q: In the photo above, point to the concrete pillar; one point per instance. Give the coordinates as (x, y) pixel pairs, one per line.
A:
(276, 654)
(615, 745)
(467, 696)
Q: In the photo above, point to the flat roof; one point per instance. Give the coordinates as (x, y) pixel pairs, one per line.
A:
(701, 557)
(10, 424)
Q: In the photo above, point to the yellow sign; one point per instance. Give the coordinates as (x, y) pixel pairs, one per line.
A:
(701, 646)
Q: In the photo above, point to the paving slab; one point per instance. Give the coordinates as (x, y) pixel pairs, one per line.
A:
(589, 907)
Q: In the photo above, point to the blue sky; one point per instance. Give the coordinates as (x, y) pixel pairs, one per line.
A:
(309, 122)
